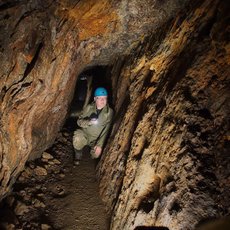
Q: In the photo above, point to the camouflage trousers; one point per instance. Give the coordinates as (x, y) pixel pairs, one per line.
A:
(80, 140)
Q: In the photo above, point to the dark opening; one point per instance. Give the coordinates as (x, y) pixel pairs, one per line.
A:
(88, 81)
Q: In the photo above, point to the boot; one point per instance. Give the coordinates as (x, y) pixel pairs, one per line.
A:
(77, 156)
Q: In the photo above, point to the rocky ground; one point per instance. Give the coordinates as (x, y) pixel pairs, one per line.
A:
(51, 193)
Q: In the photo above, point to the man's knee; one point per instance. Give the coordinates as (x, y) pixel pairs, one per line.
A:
(79, 140)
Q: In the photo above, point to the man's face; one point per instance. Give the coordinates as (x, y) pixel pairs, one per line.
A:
(101, 101)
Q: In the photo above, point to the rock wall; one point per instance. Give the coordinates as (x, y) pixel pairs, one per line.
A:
(167, 161)
(44, 46)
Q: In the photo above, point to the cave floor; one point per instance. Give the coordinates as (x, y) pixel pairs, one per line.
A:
(51, 193)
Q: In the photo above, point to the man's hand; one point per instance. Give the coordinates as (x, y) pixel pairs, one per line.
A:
(84, 122)
(97, 150)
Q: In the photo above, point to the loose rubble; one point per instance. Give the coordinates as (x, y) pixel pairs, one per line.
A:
(34, 200)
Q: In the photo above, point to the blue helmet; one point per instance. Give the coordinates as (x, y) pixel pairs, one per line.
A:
(100, 92)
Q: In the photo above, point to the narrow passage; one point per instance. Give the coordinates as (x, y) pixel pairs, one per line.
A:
(51, 193)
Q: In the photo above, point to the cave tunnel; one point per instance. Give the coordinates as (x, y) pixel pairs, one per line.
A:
(165, 163)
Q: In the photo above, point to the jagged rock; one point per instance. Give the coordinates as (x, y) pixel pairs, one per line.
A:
(57, 162)
(61, 175)
(40, 171)
(21, 208)
(38, 204)
(44, 160)
(56, 170)
(40, 194)
(47, 156)
(45, 227)
(51, 163)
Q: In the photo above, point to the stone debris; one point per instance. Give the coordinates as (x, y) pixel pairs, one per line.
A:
(43, 184)
(21, 208)
(57, 162)
(51, 163)
(38, 204)
(44, 160)
(61, 175)
(45, 227)
(40, 171)
(56, 170)
(47, 156)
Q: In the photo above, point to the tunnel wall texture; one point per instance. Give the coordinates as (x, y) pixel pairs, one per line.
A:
(166, 163)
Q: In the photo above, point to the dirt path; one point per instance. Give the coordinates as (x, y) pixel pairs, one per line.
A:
(66, 198)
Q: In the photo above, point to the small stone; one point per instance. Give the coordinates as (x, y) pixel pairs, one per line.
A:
(40, 194)
(62, 175)
(22, 193)
(40, 171)
(65, 134)
(38, 187)
(47, 166)
(38, 204)
(21, 178)
(57, 162)
(56, 170)
(44, 160)
(21, 208)
(46, 155)
(31, 165)
(51, 163)
(45, 227)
